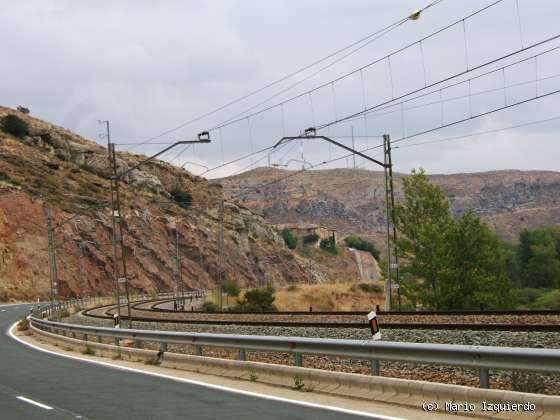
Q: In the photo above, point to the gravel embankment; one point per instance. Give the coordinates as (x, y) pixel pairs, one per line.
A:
(549, 384)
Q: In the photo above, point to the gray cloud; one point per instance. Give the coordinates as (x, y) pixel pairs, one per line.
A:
(149, 66)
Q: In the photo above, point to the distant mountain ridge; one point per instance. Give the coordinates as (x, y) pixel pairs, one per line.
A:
(353, 200)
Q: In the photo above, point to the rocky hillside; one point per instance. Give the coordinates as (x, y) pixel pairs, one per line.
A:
(353, 200)
(68, 173)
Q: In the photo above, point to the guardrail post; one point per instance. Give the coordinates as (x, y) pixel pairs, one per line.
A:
(299, 359)
(484, 378)
(117, 342)
(85, 337)
(375, 367)
(198, 350)
(242, 355)
(163, 347)
(99, 339)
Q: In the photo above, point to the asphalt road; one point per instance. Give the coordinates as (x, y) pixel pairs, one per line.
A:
(74, 389)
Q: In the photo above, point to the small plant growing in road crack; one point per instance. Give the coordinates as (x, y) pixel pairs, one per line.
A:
(23, 325)
(88, 351)
(253, 377)
(298, 383)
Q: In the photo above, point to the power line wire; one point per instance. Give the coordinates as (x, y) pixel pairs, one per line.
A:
(282, 79)
(462, 73)
(355, 71)
(406, 138)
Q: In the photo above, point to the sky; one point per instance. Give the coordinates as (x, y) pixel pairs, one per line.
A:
(150, 67)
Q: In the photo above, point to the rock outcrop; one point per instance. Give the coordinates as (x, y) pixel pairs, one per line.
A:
(353, 201)
(52, 166)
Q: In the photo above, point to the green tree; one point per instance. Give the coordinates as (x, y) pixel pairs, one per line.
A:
(476, 271)
(459, 262)
(356, 242)
(14, 125)
(422, 220)
(290, 239)
(539, 258)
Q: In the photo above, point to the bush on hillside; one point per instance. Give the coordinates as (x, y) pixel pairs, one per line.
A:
(257, 300)
(289, 238)
(23, 109)
(210, 307)
(360, 244)
(14, 125)
(329, 245)
(183, 198)
(310, 239)
(231, 288)
(370, 288)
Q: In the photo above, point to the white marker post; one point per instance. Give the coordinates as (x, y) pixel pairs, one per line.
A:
(374, 326)
(117, 321)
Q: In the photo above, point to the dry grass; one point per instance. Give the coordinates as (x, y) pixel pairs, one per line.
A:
(327, 297)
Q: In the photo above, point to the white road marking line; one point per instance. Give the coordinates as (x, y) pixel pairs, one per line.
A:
(3, 310)
(10, 332)
(38, 404)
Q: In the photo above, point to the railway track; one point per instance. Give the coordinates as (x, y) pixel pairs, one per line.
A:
(162, 316)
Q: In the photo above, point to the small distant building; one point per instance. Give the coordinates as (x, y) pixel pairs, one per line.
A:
(304, 229)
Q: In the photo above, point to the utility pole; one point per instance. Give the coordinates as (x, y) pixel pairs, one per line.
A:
(392, 247)
(178, 274)
(119, 256)
(221, 251)
(311, 133)
(353, 147)
(119, 253)
(52, 258)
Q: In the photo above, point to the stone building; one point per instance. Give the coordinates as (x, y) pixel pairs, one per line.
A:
(303, 229)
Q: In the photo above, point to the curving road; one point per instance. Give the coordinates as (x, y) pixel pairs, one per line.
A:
(38, 385)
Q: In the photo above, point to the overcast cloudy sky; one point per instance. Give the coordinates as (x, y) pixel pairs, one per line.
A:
(151, 66)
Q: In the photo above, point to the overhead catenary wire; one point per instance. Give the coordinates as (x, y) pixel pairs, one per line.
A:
(284, 78)
(367, 149)
(391, 105)
(448, 78)
(400, 109)
(352, 72)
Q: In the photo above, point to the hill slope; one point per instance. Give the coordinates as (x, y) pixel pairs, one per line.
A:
(353, 200)
(69, 173)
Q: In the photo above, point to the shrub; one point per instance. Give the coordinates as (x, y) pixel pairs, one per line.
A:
(370, 288)
(88, 351)
(329, 245)
(550, 300)
(23, 325)
(14, 125)
(527, 296)
(23, 109)
(289, 238)
(257, 300)
(298, 383)
(4, 176)
(210, 307)
(312, 238)
(362, 245)
(183, 198)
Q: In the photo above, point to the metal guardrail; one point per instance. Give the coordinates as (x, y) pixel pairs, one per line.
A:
(50, 310)
(477, 357)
